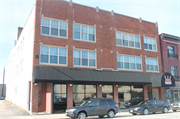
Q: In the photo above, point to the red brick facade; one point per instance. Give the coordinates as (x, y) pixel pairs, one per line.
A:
(106, 26)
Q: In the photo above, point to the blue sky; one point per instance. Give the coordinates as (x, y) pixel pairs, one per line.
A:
(14, 13)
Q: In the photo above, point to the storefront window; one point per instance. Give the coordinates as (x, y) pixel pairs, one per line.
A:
(60, 100)
(82, 93)
(124, 95)
(107, 91)
(130, 95)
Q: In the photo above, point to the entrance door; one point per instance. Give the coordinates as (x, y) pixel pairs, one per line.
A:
(60, 100)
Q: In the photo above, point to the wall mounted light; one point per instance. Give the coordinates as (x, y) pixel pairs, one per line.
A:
(35, 83)
(100, 84)
(70, 84)
(116, 85)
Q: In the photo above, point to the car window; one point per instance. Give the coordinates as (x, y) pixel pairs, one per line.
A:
(159, 102)
(111, 101)
(102, 102)
(95, 103)
(153, 102)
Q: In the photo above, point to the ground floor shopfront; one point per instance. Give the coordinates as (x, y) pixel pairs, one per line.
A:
(55, 89)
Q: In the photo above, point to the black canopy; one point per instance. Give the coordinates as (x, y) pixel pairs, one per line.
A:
(83, 76)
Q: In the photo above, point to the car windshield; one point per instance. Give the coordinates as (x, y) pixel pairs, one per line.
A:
(144, 102)
(86, 103)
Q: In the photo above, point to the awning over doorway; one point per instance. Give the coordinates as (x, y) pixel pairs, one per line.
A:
(83, 76)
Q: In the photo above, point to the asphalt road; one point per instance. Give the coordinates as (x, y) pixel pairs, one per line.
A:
(9, 111)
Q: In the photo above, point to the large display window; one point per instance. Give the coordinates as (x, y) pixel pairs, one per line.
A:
(82, 93)
(130, 95)
(107, 91)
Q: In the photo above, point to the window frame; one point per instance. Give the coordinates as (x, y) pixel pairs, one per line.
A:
(87, 32)
(82, 58)
(153, 64)
(129, 40)
(130, 63)
(151, 44)
(53, 55)
(53, 27)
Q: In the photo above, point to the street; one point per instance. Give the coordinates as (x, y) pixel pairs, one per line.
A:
(9, 111)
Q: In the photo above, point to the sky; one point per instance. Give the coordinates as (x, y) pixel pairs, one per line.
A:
(14, 14)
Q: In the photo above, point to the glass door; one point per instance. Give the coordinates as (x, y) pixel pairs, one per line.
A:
(60, 100)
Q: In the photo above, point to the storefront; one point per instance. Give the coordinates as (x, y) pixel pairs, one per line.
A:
(71, 87)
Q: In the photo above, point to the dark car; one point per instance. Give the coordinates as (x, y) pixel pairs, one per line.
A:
(145, 107)
(175, 105)
(94, 107)
(133, 101)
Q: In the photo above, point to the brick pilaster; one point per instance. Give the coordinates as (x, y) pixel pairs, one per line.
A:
(99, 91)
(145, 92)
(69, 96)
(115, 93)
(34, 98)
(49, 98)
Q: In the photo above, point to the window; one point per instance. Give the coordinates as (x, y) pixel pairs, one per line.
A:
(84, 58)
(107, 91)
(174, 70)
(171, 50)
(82, 93)
(53, 55)
(151, 64)
(103, 102)
(129, 62)
(128, 40)
(54, 27)
(82, 32)
(159, 102)
(149, 44)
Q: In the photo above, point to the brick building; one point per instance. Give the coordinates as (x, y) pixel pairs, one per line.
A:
(170, 48)
(67, 53)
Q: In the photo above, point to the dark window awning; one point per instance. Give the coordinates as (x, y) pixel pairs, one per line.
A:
(83, 76)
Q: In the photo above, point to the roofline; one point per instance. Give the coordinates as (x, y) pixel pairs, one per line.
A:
(170, 36)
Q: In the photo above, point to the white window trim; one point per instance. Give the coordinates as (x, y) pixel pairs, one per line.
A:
(128, 40)
(87, 32)
(149, 64)
(148, 46)
(129, 62)
(53, 64)
(88, 58)
(58, 28)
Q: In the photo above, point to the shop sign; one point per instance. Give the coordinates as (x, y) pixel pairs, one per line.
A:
(167, 80)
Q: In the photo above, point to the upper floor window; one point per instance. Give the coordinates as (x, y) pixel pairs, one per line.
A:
(174, 71)
(129, 62)
(54, 27)
(151, 64)
(150, 44)
(171, 50)
(53, 55)
(127, 40)
(82, 32)
(84, 58)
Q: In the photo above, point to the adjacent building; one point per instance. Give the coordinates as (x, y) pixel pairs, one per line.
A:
(67, 53)
(170, 48)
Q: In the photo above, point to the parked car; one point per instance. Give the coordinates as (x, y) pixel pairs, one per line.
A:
(145, 107)
(94, 107)
(175, 105)
(133, 101)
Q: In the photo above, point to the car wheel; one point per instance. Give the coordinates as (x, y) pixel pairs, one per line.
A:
(101, 116)
(81, 115)
(134, 113)
(146, 111)
(110, 114)
(174, 110)
(165, 110)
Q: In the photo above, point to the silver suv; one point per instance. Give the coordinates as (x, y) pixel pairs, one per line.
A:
(94, 107)
(175, 105)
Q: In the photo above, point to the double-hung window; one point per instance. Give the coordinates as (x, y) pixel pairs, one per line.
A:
(53, 55)
(84, 58)
(174, 71)
(129, 62)
(53, 27)
(83, 32)
(151, 64)
(149, 44)
(127, 40)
